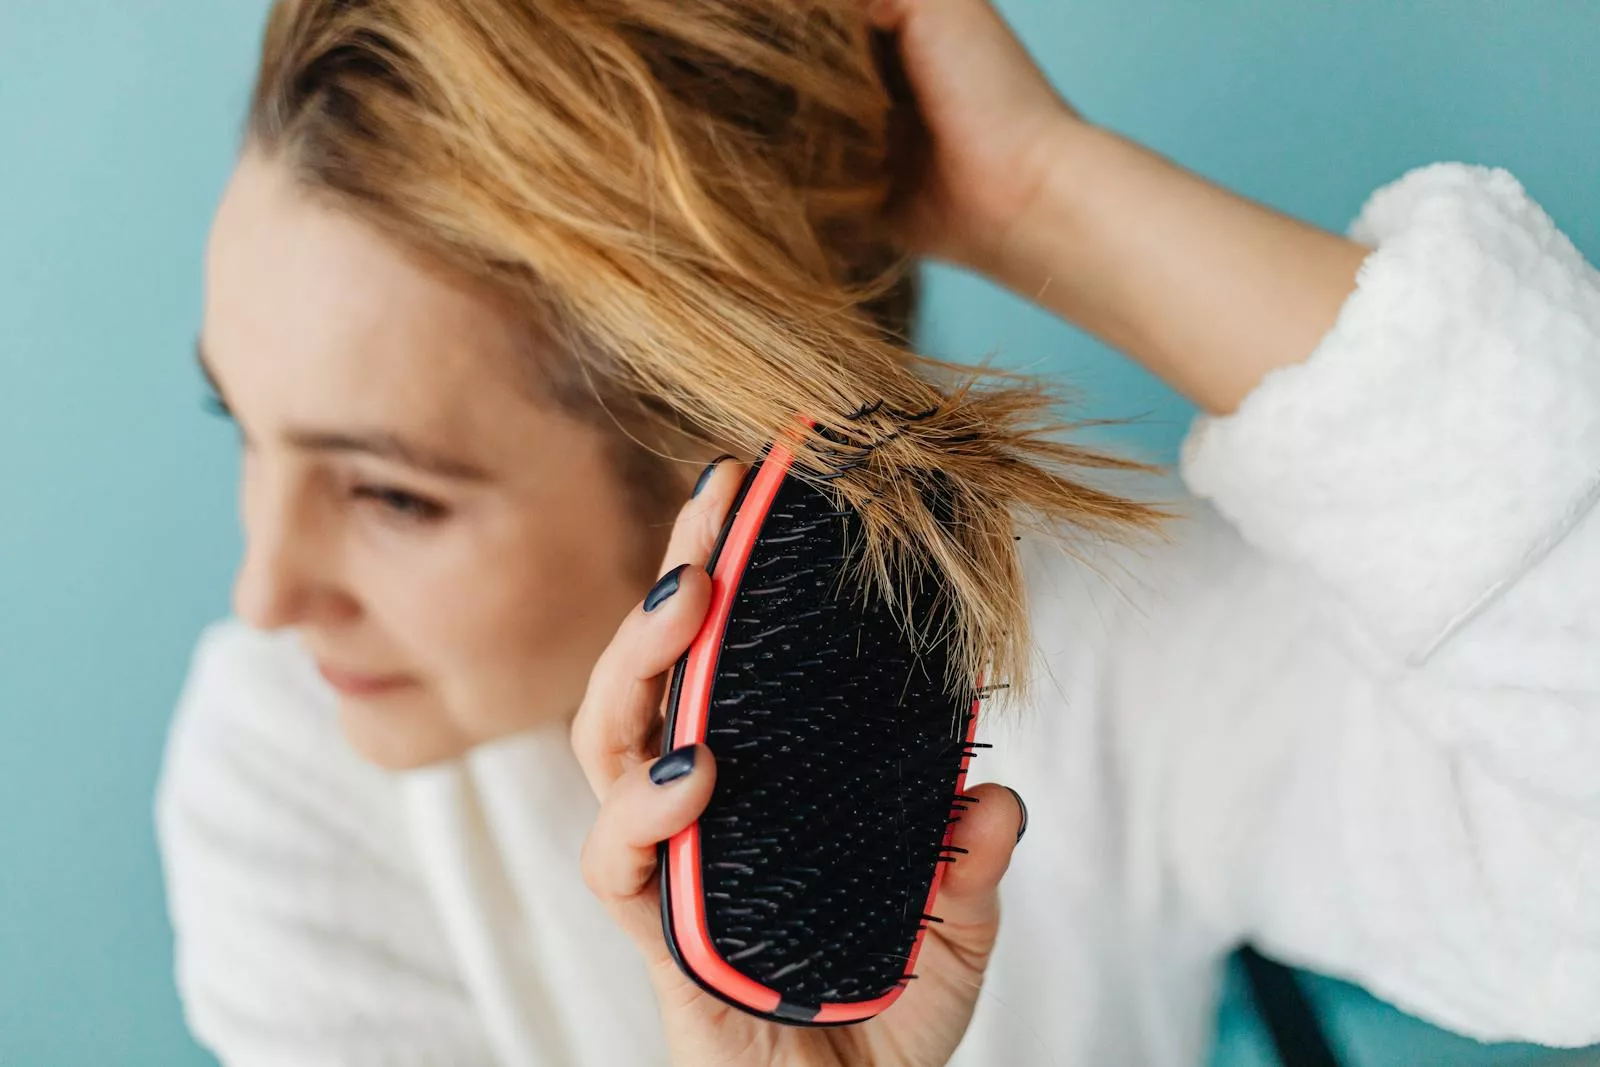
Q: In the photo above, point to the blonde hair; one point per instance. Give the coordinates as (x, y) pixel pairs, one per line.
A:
(689, 197)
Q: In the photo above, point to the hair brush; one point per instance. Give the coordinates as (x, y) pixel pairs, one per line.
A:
(802, 893)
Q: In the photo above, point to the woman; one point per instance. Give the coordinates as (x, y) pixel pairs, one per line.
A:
(496, 278)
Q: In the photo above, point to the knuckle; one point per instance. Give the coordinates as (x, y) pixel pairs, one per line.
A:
(708, 530)
(584, 733)
(592, 869)
(688, 514)
(609, 663)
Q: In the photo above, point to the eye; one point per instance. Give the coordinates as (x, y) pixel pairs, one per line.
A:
(399, 504)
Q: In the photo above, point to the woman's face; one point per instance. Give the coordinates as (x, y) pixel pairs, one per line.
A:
(453, 552)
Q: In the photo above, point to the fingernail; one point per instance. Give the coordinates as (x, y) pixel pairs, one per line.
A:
(662, 591)
(674, 765)
(705, 475)
(1024, 827)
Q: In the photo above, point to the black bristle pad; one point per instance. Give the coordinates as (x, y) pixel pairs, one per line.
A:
(839, 744)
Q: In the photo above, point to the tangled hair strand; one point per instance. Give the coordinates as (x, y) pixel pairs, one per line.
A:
(690, 197)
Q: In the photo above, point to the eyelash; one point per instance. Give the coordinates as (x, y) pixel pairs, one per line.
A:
(399, 504)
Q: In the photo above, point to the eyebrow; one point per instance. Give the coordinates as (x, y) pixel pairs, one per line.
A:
(381, 444)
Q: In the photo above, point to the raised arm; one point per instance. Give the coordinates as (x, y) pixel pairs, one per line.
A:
(1207, 289)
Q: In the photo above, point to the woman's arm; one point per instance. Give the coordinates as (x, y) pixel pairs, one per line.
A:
(1424, 496)
(1376, 732)
(1205, 288)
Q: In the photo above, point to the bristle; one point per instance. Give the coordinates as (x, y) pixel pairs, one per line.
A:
(836, 785)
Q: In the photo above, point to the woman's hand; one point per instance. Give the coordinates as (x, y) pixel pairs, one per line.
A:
(991, 123)
(1205, 288)
(645, 801)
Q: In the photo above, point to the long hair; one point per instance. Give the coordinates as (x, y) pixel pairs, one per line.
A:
(687, 200)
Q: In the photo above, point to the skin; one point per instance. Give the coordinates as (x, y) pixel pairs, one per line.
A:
(446, 606)
(1207, 289)
(614, 738)
(450, 628)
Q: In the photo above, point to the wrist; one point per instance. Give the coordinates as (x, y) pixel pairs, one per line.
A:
(1026, 252)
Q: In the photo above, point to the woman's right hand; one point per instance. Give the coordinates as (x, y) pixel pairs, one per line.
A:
(645, 801)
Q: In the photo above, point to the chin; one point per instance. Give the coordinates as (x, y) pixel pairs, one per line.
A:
(398, 738)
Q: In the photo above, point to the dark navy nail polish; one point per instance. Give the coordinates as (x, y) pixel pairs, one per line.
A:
(662, 591)
(674, 765)
(1024, 827)
(705, 475)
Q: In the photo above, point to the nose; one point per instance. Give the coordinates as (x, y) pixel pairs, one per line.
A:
(284, 577)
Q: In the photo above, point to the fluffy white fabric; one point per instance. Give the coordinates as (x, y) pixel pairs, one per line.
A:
(1352, 713)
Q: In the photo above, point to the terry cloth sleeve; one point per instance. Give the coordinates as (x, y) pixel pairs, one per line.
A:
(1434, 469)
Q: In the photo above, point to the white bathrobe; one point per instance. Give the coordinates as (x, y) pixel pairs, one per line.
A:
(1351, 713)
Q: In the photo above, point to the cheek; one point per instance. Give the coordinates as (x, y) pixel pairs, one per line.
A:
(509, 629)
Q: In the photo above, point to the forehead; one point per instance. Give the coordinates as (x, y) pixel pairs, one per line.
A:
(324, 315)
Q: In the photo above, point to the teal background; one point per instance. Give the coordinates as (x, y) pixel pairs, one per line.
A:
(117, 126)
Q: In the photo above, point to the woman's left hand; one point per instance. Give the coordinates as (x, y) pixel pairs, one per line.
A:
(992, 122)
(614, 734)
(1208, 290)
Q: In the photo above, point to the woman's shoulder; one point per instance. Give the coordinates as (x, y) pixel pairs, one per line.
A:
(236, 664)
(254, 696)
(296, 897)
(254, 749)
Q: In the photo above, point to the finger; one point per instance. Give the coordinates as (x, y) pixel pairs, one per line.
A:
(884, 14)
(699, 522)
(970, 15)
(940, 38)
(969, 902)
(621, 708)
(620, 713)
(646, 806)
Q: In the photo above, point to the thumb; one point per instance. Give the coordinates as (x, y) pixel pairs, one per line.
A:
(969, 901)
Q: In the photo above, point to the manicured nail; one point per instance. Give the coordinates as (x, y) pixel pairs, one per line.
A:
(1024, 827)
(674, 765)
(662, 591)
(705, 475)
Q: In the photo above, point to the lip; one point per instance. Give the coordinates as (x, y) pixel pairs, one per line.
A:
(357, 684)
